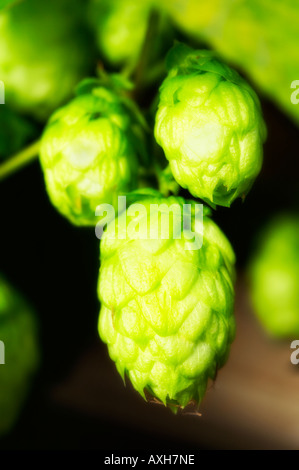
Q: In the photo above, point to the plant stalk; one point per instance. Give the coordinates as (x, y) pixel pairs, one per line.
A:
(18, 161)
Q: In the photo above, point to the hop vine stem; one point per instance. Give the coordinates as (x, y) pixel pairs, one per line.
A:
(18, 161)
(143, 60)
(143, 75)
(136, 67)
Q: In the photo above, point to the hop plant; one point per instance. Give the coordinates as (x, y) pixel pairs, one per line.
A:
(18, 333)
(45, 50)
(210, 126)
(274, 274)
(167, 304)
(90, 151)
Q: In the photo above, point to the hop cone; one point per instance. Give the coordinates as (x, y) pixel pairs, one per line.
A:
(210, 126)
(274, 274)
(89, 153)
(44, 51)
(167, 307)
(19, 335)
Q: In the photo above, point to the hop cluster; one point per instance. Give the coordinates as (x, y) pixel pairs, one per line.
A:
(19, 336)
(89, 154)
(274, 274)
(167, 308)
(210, 126)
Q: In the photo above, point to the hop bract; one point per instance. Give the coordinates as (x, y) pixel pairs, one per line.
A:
(167, 305)
(44, 51)
(274, 274)
(210, 126)
(18, 336)
(90, 153)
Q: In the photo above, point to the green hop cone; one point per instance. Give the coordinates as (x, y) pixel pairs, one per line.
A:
(166, 301)
(273, 276)
(18, 336)
(91, 150)
(210, 126)
(45, 50)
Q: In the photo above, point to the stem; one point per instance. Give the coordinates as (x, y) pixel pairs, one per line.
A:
(145, 51)
(155, 74)
(19, 160)
(129, 68)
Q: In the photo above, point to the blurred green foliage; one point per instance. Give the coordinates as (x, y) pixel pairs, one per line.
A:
(6, 3)
(120, 27)
(45, 49)
(15, 131)
(18, 332)
(274, 277)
